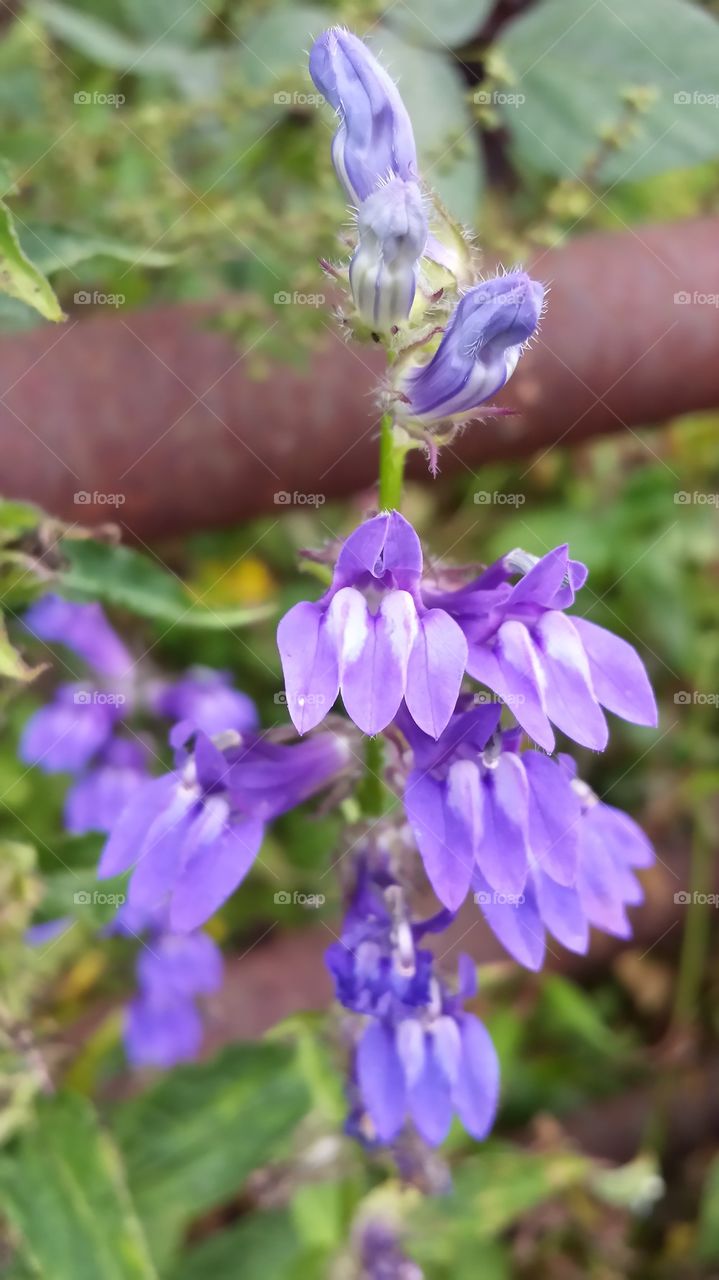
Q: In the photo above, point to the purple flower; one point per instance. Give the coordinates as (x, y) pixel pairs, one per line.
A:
(162, 1023)
(371, 638)
(192, 835)
(419, 1056)
(611, 847)
(479, 350)
(545, 665)
(383, 273)
(64, 735)
(382, 1256)
(84, 629)
(96, 800)
(203, 700)
(374, 137)
(480, 810)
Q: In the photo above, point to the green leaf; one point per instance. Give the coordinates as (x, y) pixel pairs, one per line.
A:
(435, 94)
(451, 23)
(275, 44)
(264, 1245)
(52, 248)
(191, 1141)
(575, 62)
(12, 666)
(125, 577)
(65, 1194)
(19, 277)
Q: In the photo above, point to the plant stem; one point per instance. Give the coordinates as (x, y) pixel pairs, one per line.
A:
(372, 793)
(391, 466)
(696, 933)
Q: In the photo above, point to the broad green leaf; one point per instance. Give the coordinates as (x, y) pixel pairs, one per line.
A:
(156, 19)
(65, 1194)
(435, 95)
(191, 1141)
(264, 1245)
(275, 45)
(121, 576)
(575, 62)
(19, 277)
(449, 24)
(52, 248)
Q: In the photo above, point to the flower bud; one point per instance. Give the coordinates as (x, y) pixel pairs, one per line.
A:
(479, 350)
(392, 228)
(374, 138)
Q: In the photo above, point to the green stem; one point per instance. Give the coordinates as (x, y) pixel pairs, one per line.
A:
(372, 793)
(391, 466)
(697, 927)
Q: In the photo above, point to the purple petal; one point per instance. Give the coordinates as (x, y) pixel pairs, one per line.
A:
(541, 584)
(309, 663)
(158, 863)
(96, 801)
(82, 628)
(381, 1081)
(562, 913)
(476, 1090)
(430, 1100)
(445, 840)
(374, 651)
(554, 817)
(213, 872)
(618, 675)
(65, 735)
(622, 836)
(409, 1039)
(502, 852)
(161, 1035)
(512, 670)
(518, 925)
(600, 883)
(568, 694)
(436, 667)
(447, 1046)
(131, 829)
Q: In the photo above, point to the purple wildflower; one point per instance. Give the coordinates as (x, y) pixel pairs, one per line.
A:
(372, 638)
(84, 629)
(203, 700)
(96, 800)
(163, 1025)
(610, 848)
(63, 736)
(545, 665)
(382, 1256)
(392, 227)
(193, 834)
(374, 138)
(420, 1055)
(479, 350)
(479, 809)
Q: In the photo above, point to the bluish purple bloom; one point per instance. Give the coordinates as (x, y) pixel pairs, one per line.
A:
(479, 350)
(63, 736)
(610, 849)
(95, 801)
(392, 226)
(84, 629)
(162, 1024)
(374, 139)
(481, 810)
(420, 1056)
(192, 835)
(203, 700)
(545, 665)
(371, 638)
(382, 1256)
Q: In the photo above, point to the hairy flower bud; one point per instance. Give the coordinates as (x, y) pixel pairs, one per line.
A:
(479, 350)
(374, 139)
(392, 234)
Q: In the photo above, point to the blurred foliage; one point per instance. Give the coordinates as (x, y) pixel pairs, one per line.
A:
(155, 151)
